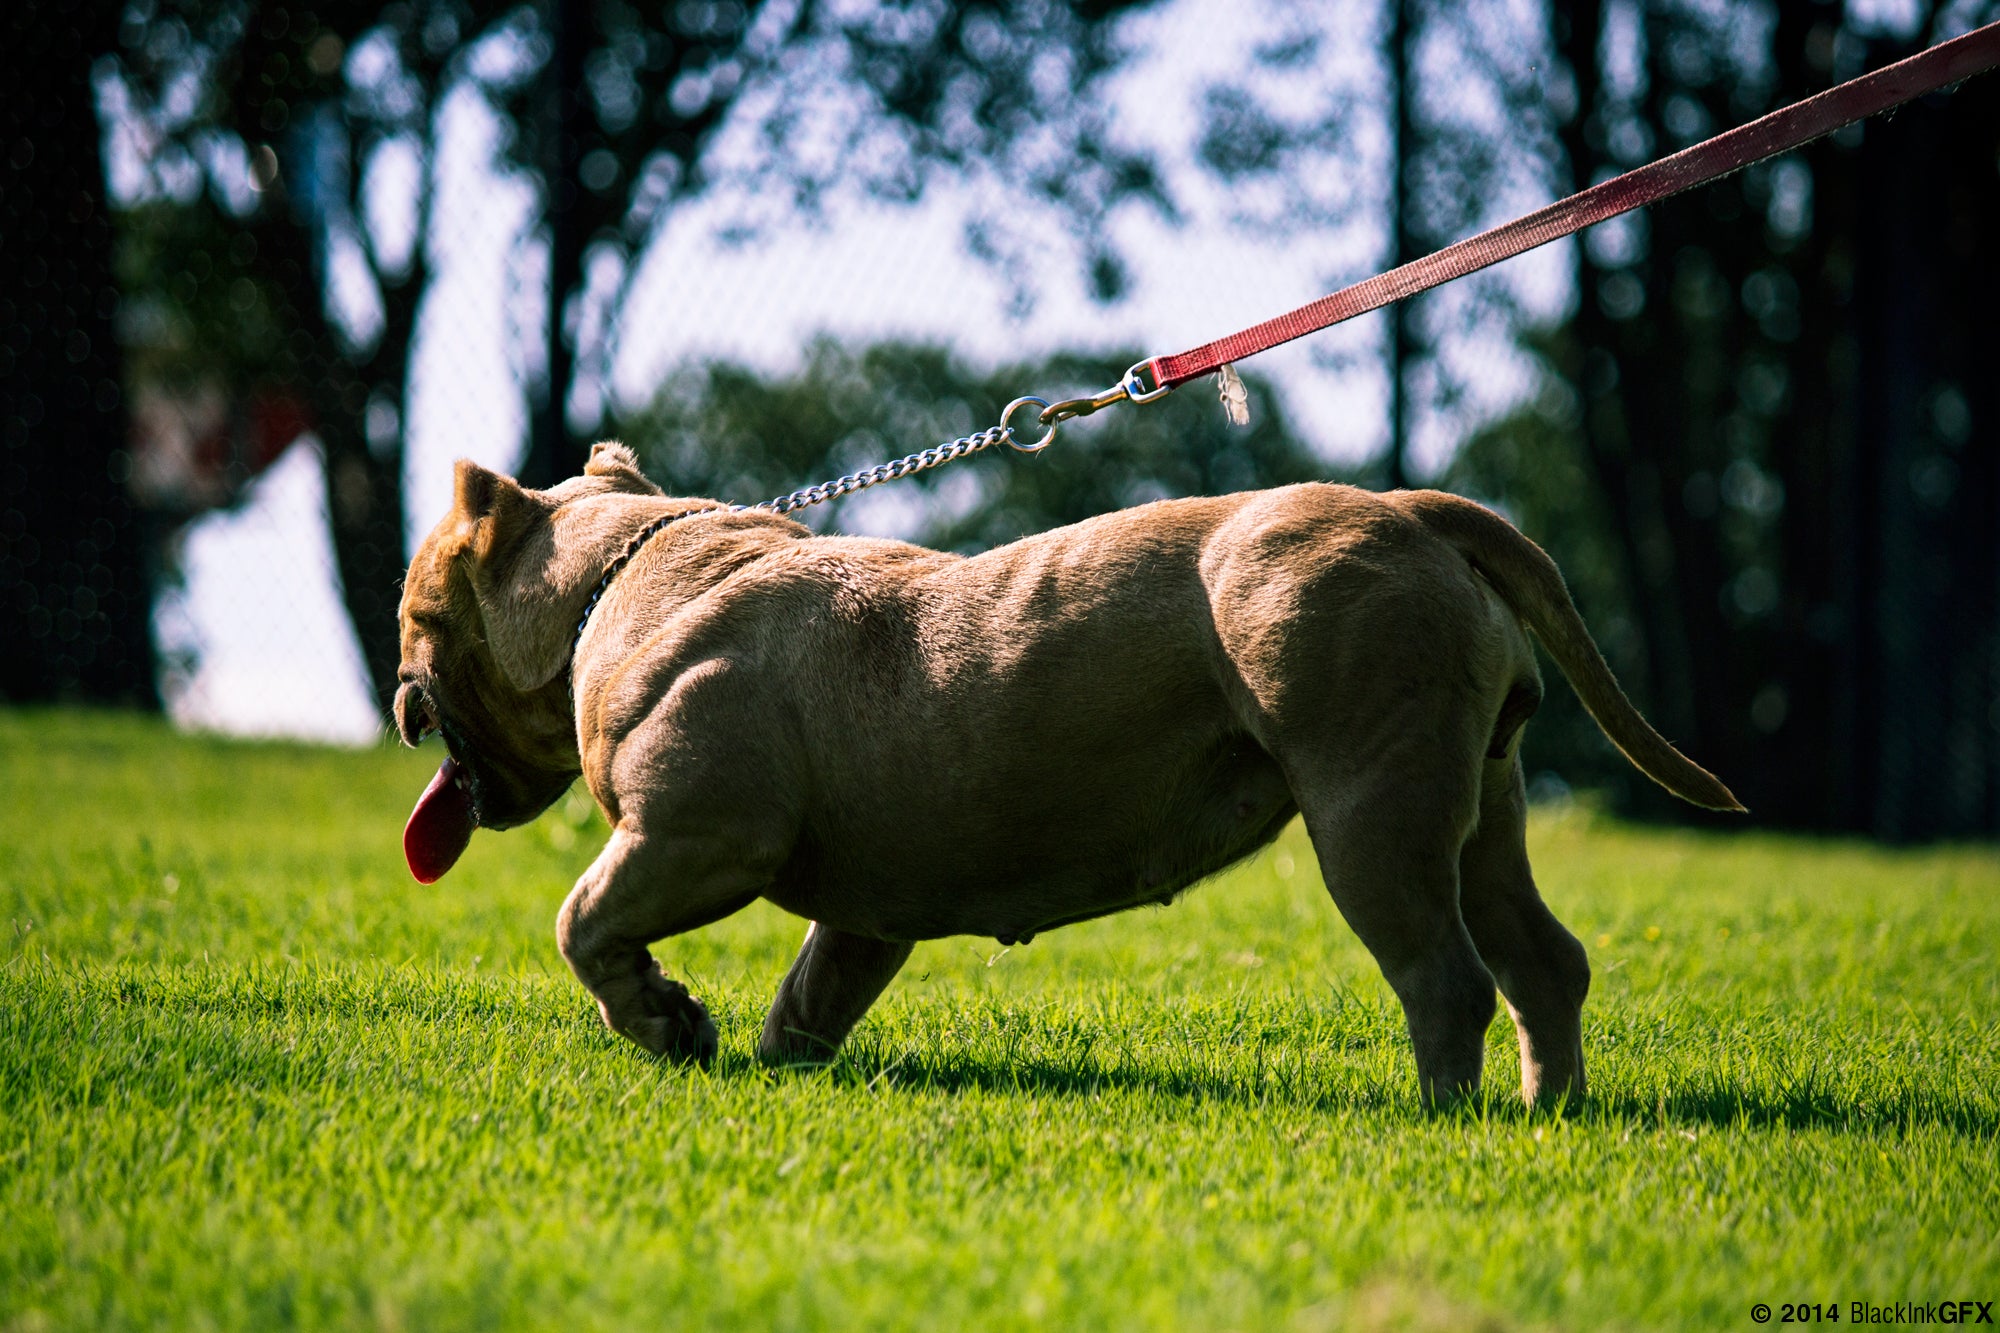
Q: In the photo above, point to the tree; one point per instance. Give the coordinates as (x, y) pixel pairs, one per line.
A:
(1448, 133)
(1773, 391)
(1925, 473)
(72, 576)
(271, 121)
(1471, 140)
(258, 126)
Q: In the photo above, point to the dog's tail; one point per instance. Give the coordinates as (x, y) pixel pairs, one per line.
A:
(1529, 582)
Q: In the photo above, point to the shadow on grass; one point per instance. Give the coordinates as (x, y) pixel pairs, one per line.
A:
(1316, 1076)
(1799, 1108)
(958, 1074)
(1309, 1085)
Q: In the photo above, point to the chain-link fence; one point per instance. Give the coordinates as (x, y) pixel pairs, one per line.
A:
(271, 268)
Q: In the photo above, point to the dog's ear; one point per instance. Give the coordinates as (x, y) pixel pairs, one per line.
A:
(494, 508)
(612, 460)
(510, 578)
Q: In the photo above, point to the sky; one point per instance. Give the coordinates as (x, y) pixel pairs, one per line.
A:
(259, 621)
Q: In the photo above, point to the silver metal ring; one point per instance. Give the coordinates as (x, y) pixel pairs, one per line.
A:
(1014, 443)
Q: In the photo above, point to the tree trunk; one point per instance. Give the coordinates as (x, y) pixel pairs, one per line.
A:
(275, 103)
(73, 575)
(1807, 738)
(1402, 337)
(553, 453)
(1930, 427)
(364, 481)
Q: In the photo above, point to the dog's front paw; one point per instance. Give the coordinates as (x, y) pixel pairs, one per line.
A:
(673, 1024)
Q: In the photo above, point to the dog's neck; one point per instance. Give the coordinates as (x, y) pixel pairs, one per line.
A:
(618, 562)
(614, 545)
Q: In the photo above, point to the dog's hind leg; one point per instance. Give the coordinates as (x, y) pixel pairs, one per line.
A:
(639, 890)
(832, 982)
(1541, 968)
(1389, 852)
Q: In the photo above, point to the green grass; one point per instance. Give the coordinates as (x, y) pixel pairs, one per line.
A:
(252, 1075)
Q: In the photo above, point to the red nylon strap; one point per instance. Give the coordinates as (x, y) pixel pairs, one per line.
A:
(1781, 131)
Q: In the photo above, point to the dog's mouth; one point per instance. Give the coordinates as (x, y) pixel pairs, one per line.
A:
(475, 788)
(441, 825)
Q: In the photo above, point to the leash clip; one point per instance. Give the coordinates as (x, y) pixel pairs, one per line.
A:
(1068, 408)
(1134, 383)
(1131, 389)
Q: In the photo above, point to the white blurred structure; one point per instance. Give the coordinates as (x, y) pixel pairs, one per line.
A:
(255, 642)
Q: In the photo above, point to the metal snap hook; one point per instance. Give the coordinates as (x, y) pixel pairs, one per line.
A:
(1038, 445)
(1134, 383)
(1083, 407)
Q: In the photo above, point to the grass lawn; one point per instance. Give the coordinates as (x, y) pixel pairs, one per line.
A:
(251, 1075)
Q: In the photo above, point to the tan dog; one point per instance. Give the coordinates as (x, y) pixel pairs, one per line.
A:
(898, 744)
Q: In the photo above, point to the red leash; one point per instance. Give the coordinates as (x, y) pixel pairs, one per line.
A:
(1781, 131)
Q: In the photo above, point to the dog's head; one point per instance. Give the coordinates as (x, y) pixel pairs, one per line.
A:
(488, 611)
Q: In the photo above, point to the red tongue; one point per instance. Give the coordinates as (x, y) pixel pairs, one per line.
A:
(440, 826)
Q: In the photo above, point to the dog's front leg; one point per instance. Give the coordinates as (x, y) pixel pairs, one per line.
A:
(642, 889)
(833, 981)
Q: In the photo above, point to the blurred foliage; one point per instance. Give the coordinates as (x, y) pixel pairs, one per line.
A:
(244, 114)
(1759, 442)
(280, 172)
(1774, 393)
(194, 303)
(728, 432)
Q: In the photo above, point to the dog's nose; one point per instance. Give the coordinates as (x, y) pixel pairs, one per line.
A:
(414, 719)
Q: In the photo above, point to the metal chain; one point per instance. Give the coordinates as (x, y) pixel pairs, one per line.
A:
(950, 451)
(962, 447)
(624, 558)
